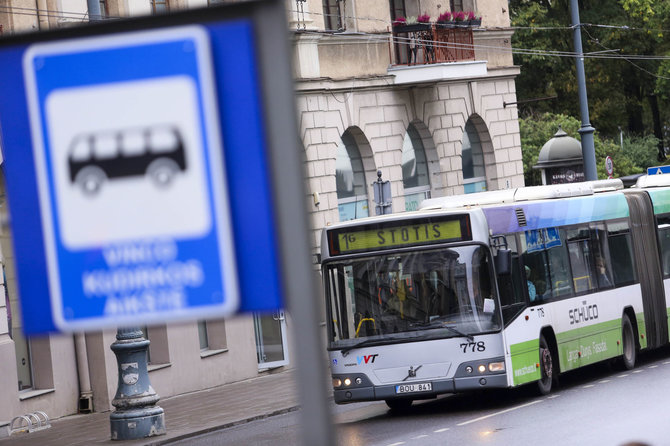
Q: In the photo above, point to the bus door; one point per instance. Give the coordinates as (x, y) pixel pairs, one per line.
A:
(645, 247)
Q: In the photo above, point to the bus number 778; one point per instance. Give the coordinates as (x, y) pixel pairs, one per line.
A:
(480, 346)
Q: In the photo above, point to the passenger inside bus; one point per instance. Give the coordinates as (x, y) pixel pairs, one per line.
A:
(531, 287)
(603, 279)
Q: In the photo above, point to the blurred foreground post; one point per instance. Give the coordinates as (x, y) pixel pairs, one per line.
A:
(136, 415)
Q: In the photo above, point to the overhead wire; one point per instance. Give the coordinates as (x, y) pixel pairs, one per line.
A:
(71, 15)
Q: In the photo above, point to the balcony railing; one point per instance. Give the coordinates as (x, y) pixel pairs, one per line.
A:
(430, 43)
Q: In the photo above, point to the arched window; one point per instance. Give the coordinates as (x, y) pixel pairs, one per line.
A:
(474, 175)
(414, 170)
(352, 199)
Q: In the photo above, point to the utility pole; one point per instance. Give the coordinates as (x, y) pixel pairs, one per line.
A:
(586, 131)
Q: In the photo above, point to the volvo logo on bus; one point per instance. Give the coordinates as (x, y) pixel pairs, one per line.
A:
(156, 152)
(583, 313)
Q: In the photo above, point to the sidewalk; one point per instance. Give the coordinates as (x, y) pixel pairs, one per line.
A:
(185, 415)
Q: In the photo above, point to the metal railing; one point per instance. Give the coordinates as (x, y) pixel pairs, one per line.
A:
(431, 43)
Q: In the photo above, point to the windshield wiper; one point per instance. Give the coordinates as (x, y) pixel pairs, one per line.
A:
(370, 342)
(440, 324)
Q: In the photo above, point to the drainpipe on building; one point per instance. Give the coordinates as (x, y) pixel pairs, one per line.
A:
(42, 15)
(85, 392)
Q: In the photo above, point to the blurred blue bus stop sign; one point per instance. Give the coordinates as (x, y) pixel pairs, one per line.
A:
(137, 172)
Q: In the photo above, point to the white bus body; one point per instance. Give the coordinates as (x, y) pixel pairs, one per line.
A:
(495, 289)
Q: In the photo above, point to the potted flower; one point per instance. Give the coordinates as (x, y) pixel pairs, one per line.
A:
(423, 18)
(445, 19)
(473, 19)
(411, 24)
(459, 18)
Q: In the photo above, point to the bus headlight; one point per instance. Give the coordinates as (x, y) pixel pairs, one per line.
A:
(481, 368)
(496, 367)
(347, 381)
(337, 382)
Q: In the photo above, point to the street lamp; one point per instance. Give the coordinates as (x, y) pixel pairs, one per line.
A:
(136, 415)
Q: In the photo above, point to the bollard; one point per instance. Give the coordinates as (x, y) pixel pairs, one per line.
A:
(136, 415)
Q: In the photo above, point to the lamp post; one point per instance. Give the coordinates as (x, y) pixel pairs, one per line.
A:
(586, 131)
(136, 415)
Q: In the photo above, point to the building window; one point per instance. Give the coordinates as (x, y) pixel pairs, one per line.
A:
(397, 9)
(474, 174)
(352, 199)
(103, 8)
(212, 337)
(23, 360)
(331, 15)
(456, 5)
(159, 6)
(415, 178)
(158, 352)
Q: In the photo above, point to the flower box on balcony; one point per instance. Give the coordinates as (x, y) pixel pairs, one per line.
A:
(475, 23)
(415, 27)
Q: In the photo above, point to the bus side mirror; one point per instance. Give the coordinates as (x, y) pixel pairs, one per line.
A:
(503, 262)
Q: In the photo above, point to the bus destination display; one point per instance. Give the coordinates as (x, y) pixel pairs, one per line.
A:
(394, 236)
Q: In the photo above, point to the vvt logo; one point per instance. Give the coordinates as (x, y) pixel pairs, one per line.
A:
(367, 358)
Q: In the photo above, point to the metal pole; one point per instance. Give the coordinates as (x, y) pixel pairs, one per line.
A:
(136, 415)
(288, 171)
(586, 131)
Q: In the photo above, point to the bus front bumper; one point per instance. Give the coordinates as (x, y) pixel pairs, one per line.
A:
(452, 385)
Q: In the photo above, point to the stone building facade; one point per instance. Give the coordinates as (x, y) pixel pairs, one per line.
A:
(370, 97)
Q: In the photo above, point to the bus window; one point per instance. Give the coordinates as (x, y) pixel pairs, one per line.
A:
(105, 146)
(132, 142)
(581, 259)
(559, 264)
(664, 240)
(536, 264)
(601, 256)
(621, 253)
(509, 285)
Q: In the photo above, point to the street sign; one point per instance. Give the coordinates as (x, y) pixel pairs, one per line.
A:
(609, 166)
(658, 170)
(117, 145)
(138, 170)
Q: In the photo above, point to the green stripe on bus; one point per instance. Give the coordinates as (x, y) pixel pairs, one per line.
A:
(525, 357)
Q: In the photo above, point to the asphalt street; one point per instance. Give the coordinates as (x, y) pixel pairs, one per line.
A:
(599, 405)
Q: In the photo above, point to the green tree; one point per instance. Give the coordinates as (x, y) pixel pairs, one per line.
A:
(634, 94)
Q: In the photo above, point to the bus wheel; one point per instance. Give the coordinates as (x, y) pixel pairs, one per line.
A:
(90, 179)
(162, 171)
(399, 405)
(546, 367)
(629, 350)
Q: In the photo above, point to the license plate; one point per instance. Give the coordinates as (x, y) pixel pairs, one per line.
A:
(418, 387)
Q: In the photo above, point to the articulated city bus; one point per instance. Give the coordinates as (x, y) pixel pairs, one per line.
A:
(496, 289)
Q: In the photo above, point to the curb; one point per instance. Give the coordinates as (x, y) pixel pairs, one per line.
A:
(163, 441)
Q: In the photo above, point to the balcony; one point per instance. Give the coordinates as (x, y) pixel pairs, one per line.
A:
(431, 51)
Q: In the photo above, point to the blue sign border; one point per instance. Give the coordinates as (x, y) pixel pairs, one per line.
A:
(243, 130)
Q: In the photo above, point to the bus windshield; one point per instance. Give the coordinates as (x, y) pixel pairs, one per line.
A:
(444, 293)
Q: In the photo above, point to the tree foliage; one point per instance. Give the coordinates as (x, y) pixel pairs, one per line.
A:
(539, 128)
(622, 93)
